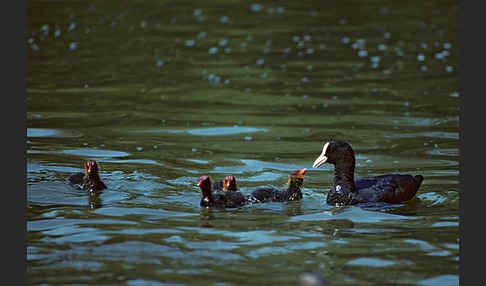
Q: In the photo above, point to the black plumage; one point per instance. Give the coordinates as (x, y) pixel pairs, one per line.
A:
(89, 180)
(390, 188)
(292, 193)
(229, 199)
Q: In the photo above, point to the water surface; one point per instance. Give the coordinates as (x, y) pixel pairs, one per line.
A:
(160, 93)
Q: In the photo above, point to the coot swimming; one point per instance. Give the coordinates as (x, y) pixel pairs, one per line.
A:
(89, 180)
(390, 188)
(292, 193)
(230, 199)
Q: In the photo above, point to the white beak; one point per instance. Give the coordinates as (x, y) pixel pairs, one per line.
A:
(319, 161)
(322, 158)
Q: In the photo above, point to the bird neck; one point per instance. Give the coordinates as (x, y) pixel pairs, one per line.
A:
(293, 189)
(206, 197)
(344, 176)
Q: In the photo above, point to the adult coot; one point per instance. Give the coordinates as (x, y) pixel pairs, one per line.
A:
(292, 193)
(89, 180)
(390, 188)
(230, 199)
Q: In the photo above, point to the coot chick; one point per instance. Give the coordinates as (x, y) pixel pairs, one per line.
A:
(89, 180)
(292, 193)
(231, 199)
(390, 188)
(228, 184)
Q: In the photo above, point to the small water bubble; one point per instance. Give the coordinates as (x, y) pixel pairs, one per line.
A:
(35, 47)
(202, 35)
(387, 72)
(375, 59)
(424, 68)
(309, 51)
(439, 56)
(155, 147)
(449, 68)
(143, 24)
(296, 39)
(420, 57)
(224, 19)
(45, 28)
(309, 67)
(280, 10)
(307, 38)
(359, 44)
(248, 138)
(189, 43)
(30, 40)
(399, 52)
(211, 77)
(325, 105)
(217, 80)
(160, 63)
(256, 7)
(249, 38)
(305, 79)
(197, 12)
(72, 26)
(73, 46)
(387, 35)
(260, 62)
(423, 45)
(445, 53)
(85, 144)
(57, 33)
(85, 85)
(213, 50)
(381, 47)
(447, 45)
(227, 50)
(227, 81)
(454, 94)
(194, 149)
(264, 76)
(139, 148)
(223, 42)
(374, 65)
(363, 53)
(346, 40)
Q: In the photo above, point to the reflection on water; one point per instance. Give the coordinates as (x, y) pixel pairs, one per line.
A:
(161, 94)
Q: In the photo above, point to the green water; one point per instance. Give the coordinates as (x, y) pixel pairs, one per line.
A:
(162, 92)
